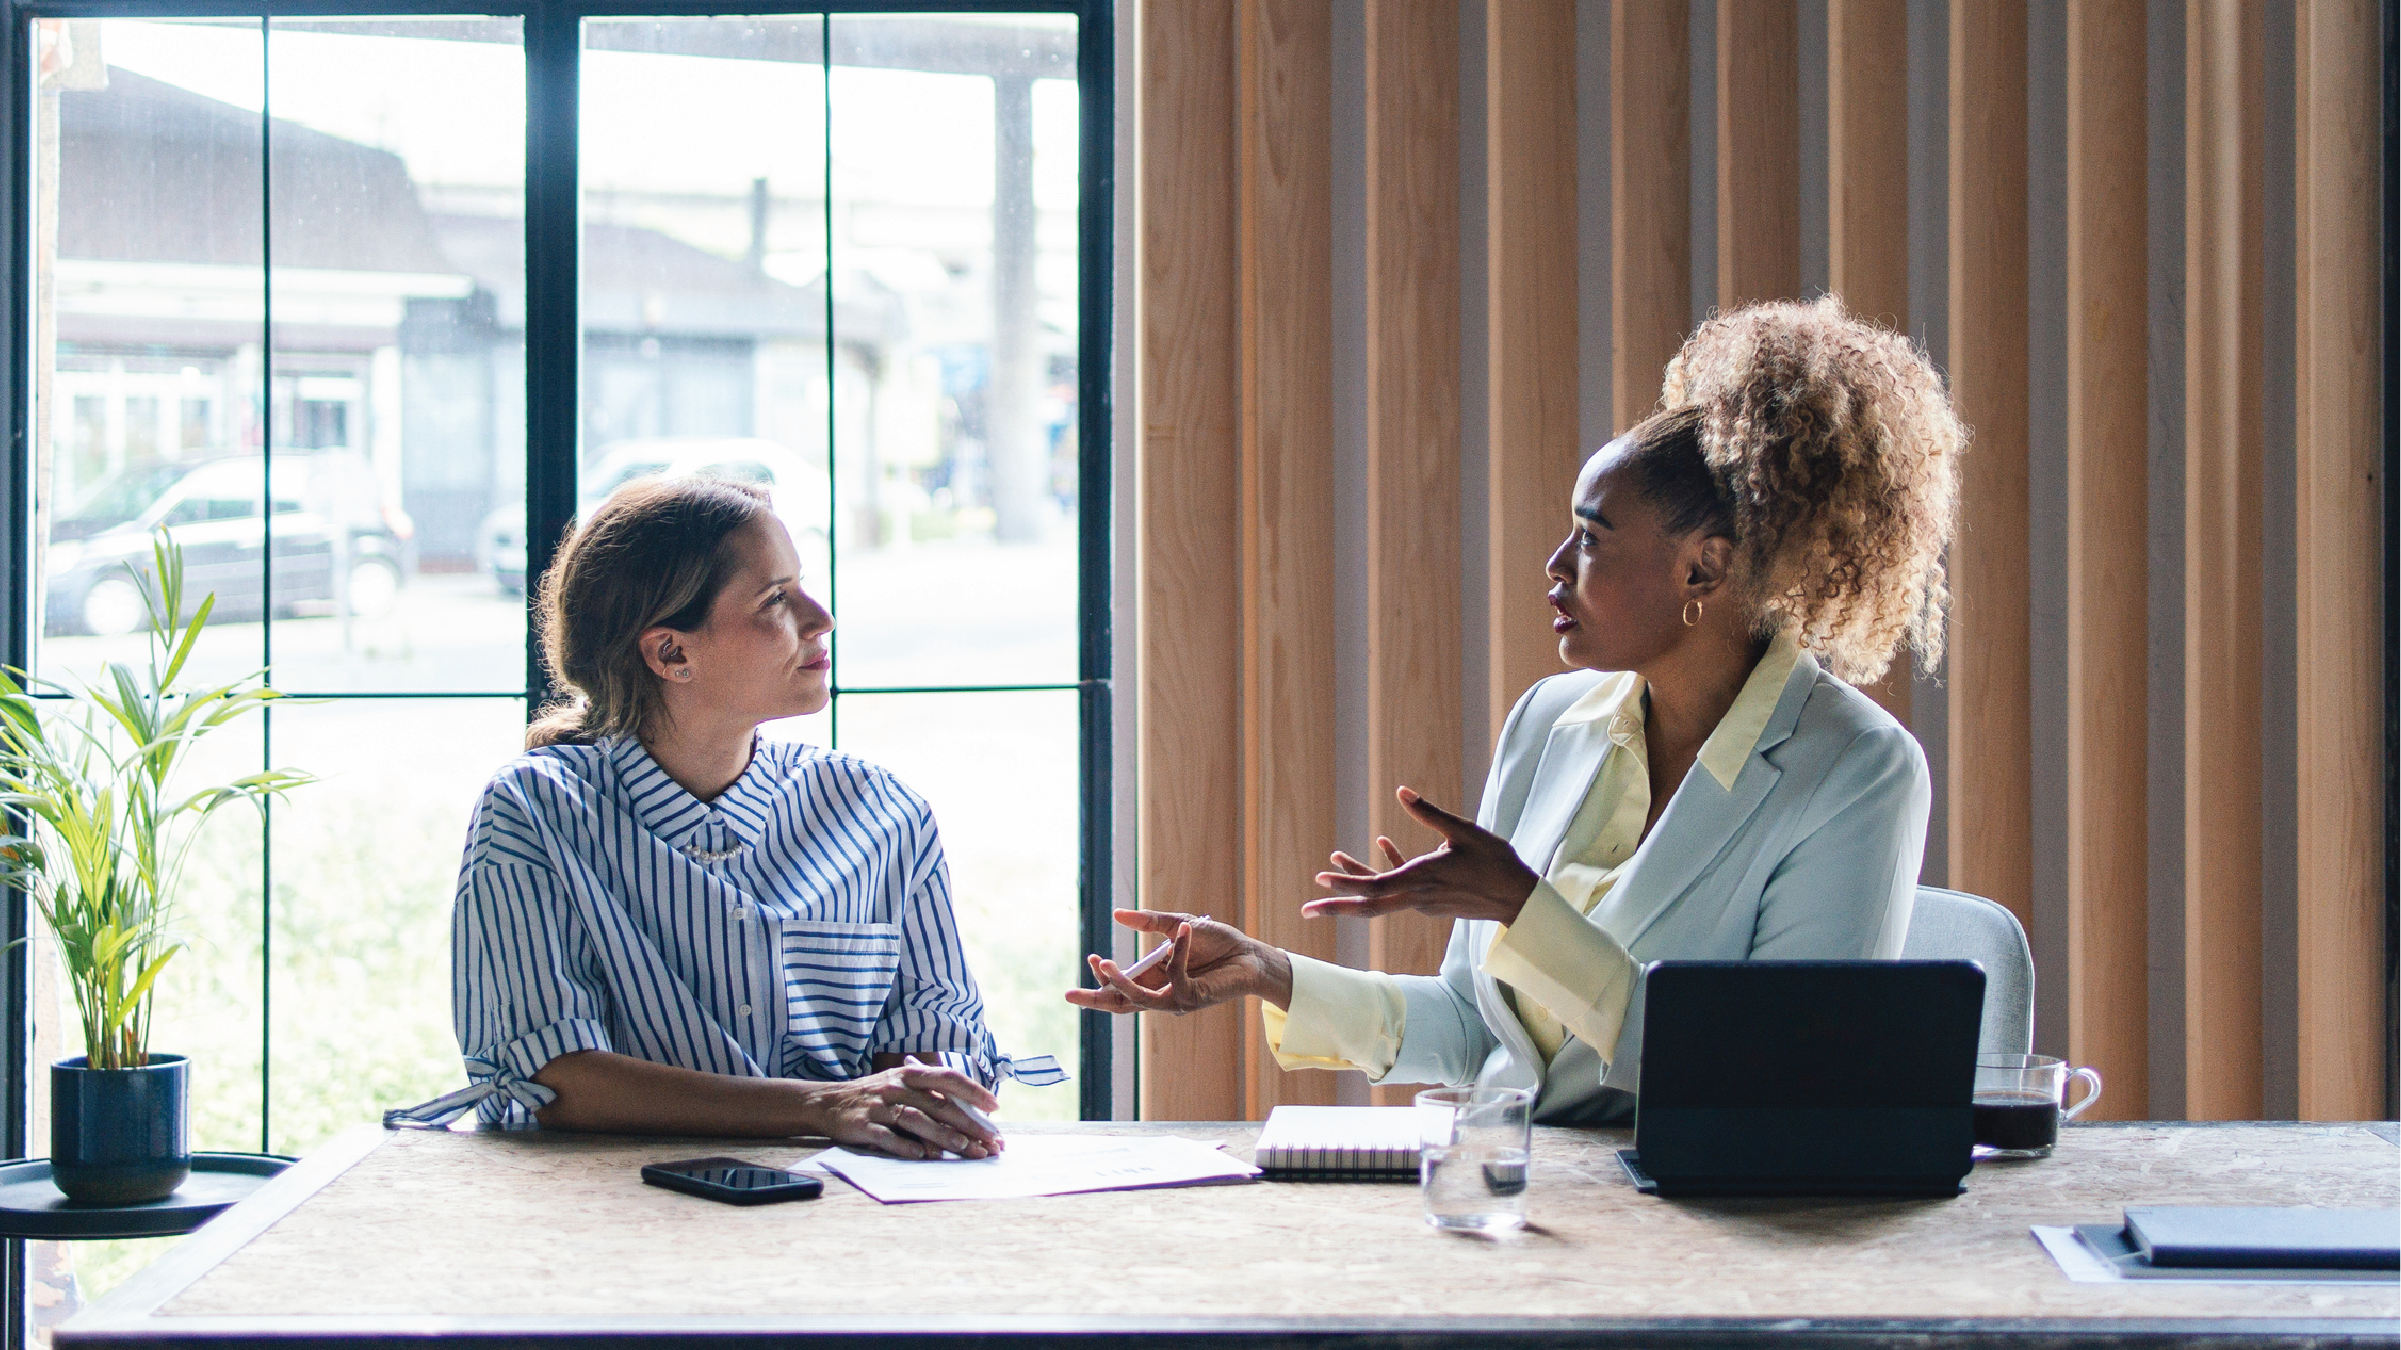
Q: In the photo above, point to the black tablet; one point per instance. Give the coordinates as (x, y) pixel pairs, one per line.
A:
(1808, 1077)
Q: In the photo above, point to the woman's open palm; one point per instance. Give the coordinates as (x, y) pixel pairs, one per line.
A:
(1474, 875)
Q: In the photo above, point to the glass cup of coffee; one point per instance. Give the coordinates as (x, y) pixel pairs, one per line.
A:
(1474, 1146)
(2018, 1103)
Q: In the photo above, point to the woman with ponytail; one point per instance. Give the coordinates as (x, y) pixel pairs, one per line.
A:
(668, 924)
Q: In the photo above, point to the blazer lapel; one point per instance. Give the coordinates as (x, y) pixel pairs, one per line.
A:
(1700, 823)
(1571, 759)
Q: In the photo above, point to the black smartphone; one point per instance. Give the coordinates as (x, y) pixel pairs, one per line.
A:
(732, 1180)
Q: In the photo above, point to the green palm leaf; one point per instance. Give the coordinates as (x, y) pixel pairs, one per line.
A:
(96, 830)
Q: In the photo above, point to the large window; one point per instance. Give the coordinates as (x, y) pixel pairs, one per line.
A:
(368, 309)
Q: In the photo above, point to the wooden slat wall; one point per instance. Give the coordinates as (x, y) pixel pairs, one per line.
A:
(1867, 189)
(1650, 197)
(1867, 157)
(1241, 674)
(1530, 229)
(2225, 478)
(1190, 518)
(1414, 580)
(1758, 151)
(2337, 537)
(1990, 711)
(2108, 351)
(1285, 78)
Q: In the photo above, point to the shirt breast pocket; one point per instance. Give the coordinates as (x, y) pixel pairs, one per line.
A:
(837, 978)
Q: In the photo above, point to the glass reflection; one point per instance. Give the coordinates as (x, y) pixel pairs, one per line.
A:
(389, 419)
(704, 305)
(396, 411)
(954, 144)
(148, 331)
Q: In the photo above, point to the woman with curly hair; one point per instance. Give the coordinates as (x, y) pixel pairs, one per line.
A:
(1706, 784)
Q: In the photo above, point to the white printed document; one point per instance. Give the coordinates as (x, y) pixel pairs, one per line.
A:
(1040, 1164)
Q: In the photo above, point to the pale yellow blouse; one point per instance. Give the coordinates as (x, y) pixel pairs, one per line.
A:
(1564, 969)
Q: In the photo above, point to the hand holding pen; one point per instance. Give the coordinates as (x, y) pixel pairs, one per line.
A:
(993, 1142)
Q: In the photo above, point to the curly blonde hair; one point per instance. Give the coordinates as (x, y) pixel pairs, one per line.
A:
(1838, 443)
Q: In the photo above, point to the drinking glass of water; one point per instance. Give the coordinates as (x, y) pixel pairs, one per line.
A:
(1472, 1165)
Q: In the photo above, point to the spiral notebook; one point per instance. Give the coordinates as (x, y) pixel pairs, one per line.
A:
(1339, 1143)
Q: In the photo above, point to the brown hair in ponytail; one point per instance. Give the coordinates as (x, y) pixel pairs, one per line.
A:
(654, 555)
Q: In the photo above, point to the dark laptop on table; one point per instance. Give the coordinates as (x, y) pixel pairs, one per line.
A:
(1807, 1078)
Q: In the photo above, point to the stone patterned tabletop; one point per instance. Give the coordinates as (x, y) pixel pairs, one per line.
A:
(536, 1225)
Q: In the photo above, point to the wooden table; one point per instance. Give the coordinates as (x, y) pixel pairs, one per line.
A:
(523, 1237)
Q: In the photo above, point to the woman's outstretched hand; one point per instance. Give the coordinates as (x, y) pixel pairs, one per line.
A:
(1207, 963)
(1474, 875)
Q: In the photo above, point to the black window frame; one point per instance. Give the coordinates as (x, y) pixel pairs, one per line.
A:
(552, 36)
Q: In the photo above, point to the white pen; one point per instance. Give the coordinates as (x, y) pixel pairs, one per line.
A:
(982, 1121)
(1156, 957)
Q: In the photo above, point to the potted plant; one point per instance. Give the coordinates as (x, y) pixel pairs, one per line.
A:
(98, 833)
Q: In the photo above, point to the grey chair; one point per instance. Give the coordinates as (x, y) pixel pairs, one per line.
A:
(1956, 926)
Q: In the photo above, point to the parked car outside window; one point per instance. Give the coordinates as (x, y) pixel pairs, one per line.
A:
(335, 542)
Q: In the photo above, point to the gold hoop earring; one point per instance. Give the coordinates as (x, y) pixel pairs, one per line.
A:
(1692, 612)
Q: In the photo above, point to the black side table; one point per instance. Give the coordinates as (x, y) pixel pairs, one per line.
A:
(31, 1206)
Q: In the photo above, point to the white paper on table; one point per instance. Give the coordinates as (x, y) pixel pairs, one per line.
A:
(1039, 1164)
(2076, 1261)
(2080, 1263)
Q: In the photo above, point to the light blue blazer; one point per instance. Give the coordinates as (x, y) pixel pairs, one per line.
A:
(1812, 855)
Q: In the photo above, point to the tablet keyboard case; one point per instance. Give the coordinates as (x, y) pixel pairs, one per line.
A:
(1809, 1077)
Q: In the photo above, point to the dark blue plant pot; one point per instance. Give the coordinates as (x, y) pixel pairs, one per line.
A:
(118, 1136)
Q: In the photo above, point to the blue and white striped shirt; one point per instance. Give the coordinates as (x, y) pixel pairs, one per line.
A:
(795, 927)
